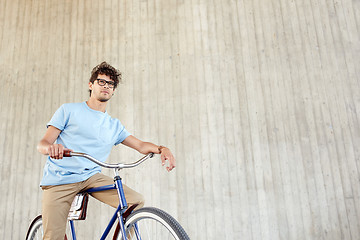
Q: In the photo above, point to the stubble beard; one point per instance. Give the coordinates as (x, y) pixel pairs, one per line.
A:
(104, 99)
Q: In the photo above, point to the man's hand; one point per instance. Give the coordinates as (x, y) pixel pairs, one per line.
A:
(56, 151)
(166, 155)
(46, 145)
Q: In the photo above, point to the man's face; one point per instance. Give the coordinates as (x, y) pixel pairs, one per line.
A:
(102, 89)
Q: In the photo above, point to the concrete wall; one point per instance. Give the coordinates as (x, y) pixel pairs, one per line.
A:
(259, 101)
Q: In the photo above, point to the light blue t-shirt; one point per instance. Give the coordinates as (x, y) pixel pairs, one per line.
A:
(82, 130)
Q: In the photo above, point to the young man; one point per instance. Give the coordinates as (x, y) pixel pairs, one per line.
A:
(86, 127)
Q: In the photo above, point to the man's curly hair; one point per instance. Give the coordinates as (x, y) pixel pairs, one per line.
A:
(108, 70)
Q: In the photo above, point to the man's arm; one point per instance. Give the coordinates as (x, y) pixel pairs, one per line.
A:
(46, 145)
(148, 147)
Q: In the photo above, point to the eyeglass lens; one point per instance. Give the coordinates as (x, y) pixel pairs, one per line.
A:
(102, 82)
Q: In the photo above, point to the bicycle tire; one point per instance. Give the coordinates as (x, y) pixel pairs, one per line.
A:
(35, 230)
(163, 226)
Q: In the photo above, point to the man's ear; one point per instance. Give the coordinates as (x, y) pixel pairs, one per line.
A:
(90, 85)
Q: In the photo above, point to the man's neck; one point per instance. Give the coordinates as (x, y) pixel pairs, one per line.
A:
(96, 105)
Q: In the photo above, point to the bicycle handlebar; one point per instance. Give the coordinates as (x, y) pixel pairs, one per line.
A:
(68, 153)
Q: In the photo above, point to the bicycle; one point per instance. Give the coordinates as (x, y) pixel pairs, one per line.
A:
(144, 223)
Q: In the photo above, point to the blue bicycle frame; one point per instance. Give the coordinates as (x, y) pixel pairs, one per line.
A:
(119, 188)
(118, 213)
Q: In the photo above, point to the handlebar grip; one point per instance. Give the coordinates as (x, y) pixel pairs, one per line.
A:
(67, 153)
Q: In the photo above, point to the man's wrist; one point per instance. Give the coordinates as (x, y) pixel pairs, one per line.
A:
(160, 148)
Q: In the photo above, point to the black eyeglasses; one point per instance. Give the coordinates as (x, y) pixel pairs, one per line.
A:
(102, 82)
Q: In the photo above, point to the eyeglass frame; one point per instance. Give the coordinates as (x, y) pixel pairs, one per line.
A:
(111, 84)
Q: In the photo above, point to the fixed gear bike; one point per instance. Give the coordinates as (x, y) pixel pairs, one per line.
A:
(145, 223)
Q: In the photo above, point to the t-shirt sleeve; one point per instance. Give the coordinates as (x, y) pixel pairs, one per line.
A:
(59, 119)
(123, 133)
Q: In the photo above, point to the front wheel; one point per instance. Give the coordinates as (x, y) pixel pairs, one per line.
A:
(152, 223)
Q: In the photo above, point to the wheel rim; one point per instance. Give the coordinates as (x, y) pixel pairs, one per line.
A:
(36, 231)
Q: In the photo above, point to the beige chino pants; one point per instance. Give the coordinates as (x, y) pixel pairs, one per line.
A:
(57, 200)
